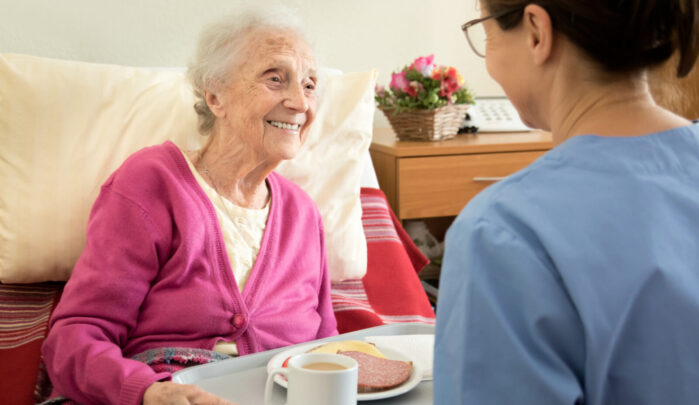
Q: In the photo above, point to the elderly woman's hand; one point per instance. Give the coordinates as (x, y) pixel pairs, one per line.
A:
(179, 394)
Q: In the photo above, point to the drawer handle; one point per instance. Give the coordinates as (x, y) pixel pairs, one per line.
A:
(488, 179)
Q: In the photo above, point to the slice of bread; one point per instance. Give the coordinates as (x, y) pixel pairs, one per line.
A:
(349, 345)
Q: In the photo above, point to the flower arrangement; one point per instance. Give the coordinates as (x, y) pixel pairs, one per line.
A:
(423, 85)
(425, 101)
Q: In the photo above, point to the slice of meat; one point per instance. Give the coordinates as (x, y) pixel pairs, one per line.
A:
(377, 374)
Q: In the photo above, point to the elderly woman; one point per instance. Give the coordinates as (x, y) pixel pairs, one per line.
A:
(576, 280)
(207, 249)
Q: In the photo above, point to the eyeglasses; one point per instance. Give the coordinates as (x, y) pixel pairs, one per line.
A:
(476, 34)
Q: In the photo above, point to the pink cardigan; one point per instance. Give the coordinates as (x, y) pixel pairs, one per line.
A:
(154, 273)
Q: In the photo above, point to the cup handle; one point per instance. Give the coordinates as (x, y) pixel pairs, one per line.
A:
(270, 382)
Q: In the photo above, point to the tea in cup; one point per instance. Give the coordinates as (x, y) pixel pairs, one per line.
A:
(324, 366)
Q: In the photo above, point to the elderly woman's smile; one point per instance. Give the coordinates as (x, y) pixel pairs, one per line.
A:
(289, 126)
(285, 125)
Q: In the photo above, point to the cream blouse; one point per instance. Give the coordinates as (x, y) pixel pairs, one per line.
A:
(242, 230)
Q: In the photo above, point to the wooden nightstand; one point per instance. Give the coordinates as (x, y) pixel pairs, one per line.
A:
(436, 179)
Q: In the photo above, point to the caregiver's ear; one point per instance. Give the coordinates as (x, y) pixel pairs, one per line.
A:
(537, 26)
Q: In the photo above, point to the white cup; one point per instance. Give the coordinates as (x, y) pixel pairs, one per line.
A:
(317, 387)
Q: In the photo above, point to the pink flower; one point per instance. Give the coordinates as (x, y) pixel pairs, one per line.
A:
(450, 83)
(414, 88)
(424, 65)
(380, 91)
(399, 82)
(452, 74)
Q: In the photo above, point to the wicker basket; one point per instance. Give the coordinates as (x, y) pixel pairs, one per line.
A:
(427, 125)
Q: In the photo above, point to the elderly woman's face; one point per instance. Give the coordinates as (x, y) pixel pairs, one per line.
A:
(270, 100)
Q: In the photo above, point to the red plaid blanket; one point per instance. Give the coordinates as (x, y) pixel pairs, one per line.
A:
(24, 317)
(391, 290)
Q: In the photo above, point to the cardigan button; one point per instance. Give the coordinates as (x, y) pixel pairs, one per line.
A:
(238, 320)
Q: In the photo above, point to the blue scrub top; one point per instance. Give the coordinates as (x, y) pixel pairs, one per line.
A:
(576, 280)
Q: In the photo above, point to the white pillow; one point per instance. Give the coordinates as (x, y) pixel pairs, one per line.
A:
(66, 125)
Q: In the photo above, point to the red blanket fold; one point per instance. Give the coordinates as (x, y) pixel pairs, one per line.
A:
(24, 315)
(391, 290)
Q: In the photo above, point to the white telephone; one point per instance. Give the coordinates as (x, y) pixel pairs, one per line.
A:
(494, 114)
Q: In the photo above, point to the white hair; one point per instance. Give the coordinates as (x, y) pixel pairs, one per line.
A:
(218, 50)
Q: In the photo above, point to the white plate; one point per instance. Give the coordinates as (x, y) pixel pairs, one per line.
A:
(393, 354)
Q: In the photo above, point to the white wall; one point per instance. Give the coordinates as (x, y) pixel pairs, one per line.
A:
(351, 35)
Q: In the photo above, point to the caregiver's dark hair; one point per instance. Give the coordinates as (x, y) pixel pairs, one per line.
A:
(620, 35)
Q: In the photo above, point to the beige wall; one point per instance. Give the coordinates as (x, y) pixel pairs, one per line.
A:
(350, 35)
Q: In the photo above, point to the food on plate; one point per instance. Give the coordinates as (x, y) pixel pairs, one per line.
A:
(379, 374)
(345, 345)
(376, 372)
(348, 346)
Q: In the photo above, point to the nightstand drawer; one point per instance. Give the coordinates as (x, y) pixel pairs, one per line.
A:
(441, 185)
